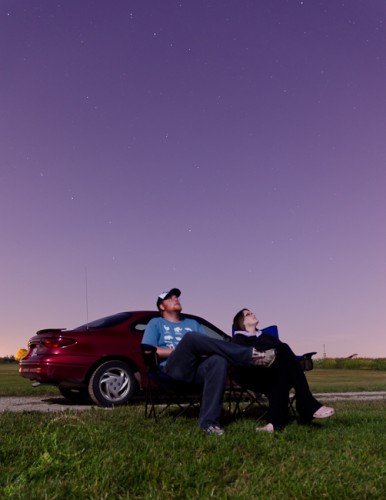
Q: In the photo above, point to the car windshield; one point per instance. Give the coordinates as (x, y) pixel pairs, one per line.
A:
(106, 322)
(209, 329)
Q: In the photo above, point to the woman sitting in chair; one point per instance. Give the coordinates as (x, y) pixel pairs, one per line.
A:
(276, 380)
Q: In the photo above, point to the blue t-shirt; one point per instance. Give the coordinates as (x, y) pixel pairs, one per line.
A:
(163, 333)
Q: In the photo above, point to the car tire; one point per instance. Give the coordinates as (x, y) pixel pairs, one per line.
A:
(112, 384)
(78, 396)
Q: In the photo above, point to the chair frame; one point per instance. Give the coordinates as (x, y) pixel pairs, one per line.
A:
(163, 392)
(237, 395)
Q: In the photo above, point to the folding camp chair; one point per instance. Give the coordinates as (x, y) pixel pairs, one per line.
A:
(244, 398)
(165, 393)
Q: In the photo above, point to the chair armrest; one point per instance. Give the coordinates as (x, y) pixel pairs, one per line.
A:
(148, 347)
(306, 361)
(150, 356)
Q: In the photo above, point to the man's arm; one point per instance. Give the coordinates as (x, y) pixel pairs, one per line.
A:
(164, 352)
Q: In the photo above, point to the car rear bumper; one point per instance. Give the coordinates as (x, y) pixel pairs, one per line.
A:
(49, 370)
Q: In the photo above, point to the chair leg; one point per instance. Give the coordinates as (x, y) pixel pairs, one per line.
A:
(154, 395)
(149, 402)
(291, 404)
(252, 399)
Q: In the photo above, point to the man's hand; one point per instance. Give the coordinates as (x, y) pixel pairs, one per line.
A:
(164, 352)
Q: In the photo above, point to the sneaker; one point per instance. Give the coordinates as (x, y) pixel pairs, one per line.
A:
(214, 430)
(263, 358)
(266, 428)
(324, 412)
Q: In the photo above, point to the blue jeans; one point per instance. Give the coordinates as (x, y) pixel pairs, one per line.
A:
(203, 360)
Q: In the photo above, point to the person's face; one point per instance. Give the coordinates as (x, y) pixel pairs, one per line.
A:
(171, 304)
(250, 319)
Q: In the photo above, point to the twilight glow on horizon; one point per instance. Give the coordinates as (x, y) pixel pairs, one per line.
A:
(235, 149)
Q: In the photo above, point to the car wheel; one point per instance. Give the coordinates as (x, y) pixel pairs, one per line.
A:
(75, 395)
(112, 384)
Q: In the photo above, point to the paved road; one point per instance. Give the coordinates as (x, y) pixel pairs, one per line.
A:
(58, 404)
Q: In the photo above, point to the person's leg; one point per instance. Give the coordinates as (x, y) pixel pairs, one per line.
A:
(277, 392)
(274, 384)
(183, 362)
(306, 404)
(212, 373)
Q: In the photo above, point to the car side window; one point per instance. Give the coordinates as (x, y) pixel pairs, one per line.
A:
(212, 333)
(140, 327)
(141, 324)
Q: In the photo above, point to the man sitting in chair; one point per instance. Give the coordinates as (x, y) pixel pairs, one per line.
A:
(187, 354)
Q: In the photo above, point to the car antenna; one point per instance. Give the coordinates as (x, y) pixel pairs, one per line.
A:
(85, 278)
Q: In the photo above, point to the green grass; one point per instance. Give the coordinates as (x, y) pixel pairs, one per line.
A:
(119, 454)
(336, 380)
(12, 384)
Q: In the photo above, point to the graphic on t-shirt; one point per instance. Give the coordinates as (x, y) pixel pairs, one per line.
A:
(163, 333)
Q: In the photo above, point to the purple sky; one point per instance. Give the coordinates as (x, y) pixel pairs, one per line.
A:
(235, 149)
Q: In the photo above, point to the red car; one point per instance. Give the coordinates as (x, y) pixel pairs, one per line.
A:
(101, 360)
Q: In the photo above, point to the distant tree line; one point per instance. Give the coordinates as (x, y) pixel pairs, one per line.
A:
(14, 359)
(8, 359)
(351, 363)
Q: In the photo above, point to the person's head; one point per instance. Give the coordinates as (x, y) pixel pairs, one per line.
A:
(168, 302)
(245, 320)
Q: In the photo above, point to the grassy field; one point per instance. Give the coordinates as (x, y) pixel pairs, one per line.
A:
(346, 380)
(320, 380)
(118, 454)
(12, 384)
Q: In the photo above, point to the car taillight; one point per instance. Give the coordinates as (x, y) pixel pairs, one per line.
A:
(57, 342)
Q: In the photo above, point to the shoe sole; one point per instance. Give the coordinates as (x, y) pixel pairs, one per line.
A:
(326, 414)
(264, 429)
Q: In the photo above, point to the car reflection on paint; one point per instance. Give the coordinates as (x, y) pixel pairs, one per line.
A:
(101, 360)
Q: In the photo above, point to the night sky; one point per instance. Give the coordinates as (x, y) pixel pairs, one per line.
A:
(235, 149)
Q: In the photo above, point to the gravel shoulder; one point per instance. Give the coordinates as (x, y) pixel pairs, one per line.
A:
(349, 396)
(40, 403)
(59, 404)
